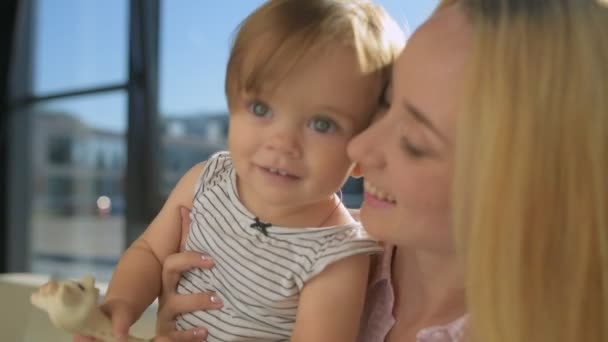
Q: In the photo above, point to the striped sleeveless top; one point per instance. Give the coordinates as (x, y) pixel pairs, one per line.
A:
(258, 277)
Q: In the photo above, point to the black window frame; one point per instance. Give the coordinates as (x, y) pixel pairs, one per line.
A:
(142, 192)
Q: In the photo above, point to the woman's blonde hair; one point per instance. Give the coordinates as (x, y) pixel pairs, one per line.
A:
(531, 187)
(273, 39)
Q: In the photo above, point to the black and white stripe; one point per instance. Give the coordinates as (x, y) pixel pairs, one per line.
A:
(258, 277)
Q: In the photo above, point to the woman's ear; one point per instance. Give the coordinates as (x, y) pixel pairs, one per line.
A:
(356, 171)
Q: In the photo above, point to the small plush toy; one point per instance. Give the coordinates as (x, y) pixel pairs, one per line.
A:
(72, 306)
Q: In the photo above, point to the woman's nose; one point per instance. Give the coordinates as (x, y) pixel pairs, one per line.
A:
(366, 150)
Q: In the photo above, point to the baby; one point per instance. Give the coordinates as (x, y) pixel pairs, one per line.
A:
(303, 78)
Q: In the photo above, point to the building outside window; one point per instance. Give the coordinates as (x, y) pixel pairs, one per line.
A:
(81, 110)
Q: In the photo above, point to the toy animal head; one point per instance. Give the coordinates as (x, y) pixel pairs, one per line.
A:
(68, 303)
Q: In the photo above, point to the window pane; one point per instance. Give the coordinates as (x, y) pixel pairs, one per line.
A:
(409, 13)
(79, 159)
(195, 42)
(79, 44)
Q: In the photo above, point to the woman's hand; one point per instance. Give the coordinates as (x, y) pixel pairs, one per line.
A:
(171, 304)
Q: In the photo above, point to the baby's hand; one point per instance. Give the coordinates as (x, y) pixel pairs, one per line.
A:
(120, 315)
(72, 306)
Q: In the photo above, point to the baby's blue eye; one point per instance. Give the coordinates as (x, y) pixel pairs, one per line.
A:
(259, 109)
(322, 125)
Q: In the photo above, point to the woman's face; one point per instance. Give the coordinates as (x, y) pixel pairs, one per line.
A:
(406, 156)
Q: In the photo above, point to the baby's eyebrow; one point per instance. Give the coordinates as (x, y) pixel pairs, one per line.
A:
(331, 109)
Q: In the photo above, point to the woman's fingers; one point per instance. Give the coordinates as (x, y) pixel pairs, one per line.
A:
(185, 303)
(185, 214)
(178, 263)
(185, 225)
(172, 304)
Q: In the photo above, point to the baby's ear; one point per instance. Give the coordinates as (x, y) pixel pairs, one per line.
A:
(356, 171)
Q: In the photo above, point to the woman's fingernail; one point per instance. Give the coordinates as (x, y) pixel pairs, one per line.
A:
(215, 299)
(200, 332)
(205, 257)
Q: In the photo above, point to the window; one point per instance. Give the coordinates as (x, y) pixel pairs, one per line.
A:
(68, 223)
(74, 118)
(79, 44)
(59, 150)
(86, 113)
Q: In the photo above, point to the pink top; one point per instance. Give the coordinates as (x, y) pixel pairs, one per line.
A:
(378, 318)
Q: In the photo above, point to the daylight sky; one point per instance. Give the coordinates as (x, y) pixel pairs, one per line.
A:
(84, 44)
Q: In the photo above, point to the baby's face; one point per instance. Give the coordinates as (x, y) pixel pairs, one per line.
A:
(289, 145)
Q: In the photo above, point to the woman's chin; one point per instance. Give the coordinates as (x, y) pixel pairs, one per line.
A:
(374, 223)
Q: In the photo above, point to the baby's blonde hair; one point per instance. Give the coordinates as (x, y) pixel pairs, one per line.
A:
(271, 40)
(531, 187)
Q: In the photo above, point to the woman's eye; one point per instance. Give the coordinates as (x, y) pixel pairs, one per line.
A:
(323, 125)
(384, 102)
(412, 150)
(259, 109)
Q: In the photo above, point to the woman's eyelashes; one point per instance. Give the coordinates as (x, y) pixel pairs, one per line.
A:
(411, 149)
(259, 109)
(384, 102)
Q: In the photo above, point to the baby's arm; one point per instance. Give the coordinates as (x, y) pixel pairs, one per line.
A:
(136, 281)
(331, 303)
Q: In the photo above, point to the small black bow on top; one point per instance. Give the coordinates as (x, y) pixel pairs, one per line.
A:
(260, 226)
